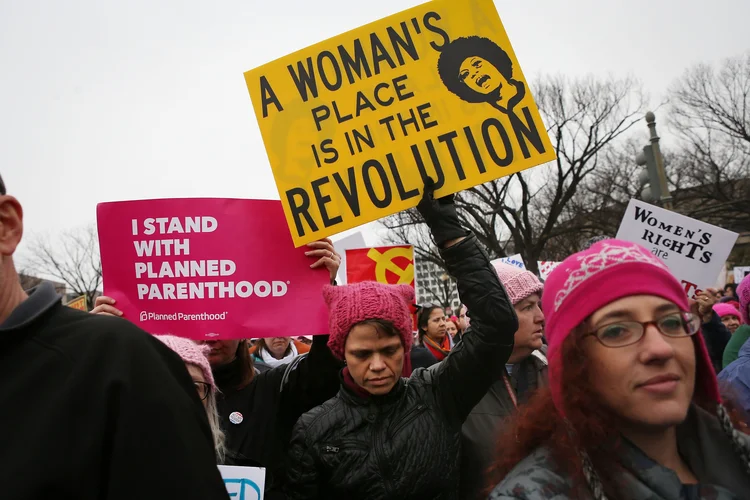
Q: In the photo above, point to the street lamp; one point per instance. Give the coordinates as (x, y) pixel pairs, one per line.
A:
(653, 178)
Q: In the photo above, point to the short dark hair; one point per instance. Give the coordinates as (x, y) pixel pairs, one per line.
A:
(2, 186)
(423, 317)
(456, 52)
(382, 326)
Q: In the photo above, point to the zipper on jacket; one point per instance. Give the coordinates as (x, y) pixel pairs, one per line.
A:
(407, 419)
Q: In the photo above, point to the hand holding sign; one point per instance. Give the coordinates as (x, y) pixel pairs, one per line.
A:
(441, 217)
(328, 256)
(705, 300)
(106, 306)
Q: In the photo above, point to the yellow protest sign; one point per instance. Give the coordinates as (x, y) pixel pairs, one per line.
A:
(353, 125)
(79, 303)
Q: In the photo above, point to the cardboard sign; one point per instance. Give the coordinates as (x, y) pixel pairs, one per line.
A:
(391, 265)
(740, 273)
(244, 483)
(356, 240)
(694, 251)
(209, 268)
(546, 267)
(353, 125)
(514, 260)
(79, 303)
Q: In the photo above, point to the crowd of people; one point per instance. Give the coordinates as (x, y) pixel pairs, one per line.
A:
(604, 382)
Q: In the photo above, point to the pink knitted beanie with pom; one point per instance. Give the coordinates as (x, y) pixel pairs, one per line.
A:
(352, 304)
(519, 283)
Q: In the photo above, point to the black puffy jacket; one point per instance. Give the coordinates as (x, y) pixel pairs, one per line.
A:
(406, 444)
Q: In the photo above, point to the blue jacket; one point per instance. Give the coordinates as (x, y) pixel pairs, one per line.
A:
(737, 376)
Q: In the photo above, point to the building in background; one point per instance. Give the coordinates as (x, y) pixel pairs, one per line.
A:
(435, 286)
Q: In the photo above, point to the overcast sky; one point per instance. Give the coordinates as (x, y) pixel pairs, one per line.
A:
(104, 101)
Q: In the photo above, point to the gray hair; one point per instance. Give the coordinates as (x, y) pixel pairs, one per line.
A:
(213, 420)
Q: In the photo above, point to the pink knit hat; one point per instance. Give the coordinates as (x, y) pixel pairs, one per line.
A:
(519, 283)
(352, 304)
(743, 292)
(589, 280)
(191, 353)
(726, 310)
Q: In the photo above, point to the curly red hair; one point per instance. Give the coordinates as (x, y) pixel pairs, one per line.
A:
(589, 427)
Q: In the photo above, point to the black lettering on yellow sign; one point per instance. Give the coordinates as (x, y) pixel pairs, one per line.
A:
(364, 118)
(491, 134)
(357, 62)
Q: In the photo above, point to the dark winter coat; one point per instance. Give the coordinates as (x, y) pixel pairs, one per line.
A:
(266, 410)
(484, 424)
(93, 408)
(702, 444)
(421, 357)
(406, 444)
(717, 337)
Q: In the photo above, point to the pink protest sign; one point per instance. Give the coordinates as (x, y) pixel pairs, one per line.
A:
(209, 268)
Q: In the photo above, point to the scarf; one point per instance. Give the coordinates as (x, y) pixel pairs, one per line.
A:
(273, 362)
(439, 351)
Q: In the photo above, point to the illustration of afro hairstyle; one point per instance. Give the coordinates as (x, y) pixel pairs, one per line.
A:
(457, 51)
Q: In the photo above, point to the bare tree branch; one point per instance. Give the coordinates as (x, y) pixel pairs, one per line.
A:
(73, 259)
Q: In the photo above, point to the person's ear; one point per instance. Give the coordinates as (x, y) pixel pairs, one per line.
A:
(11, 225)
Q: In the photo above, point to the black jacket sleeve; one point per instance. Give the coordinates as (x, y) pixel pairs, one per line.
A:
(464, 377)
(159, 440)
(421, 357)
(310, 382)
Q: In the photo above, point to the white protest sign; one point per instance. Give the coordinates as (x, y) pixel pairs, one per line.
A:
(514, 260)
(694, 251)
(244, 483)
(546, 267)
(356, 240)
(740, 273)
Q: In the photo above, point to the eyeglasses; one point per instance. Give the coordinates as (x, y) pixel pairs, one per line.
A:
(625, 333)
(203, 389)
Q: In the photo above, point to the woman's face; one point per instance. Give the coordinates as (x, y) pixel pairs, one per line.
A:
(463, 319)
(528, 337)
(484, 78)
(277, 346)
(374, 360)
(200, 382)
(222, 351)
(480, 76)
(731, 321)
(451, 328)
(649, 383)
(436, 325)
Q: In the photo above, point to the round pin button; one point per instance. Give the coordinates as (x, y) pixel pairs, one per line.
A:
(236, 417)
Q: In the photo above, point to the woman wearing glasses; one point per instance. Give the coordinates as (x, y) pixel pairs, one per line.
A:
(194, 356)
(632, 410)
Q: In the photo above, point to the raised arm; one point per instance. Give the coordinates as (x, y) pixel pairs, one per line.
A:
(466, 375)
(311, 380)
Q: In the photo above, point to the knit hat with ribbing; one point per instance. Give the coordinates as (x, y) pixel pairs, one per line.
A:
(519, 283)
(722, 310)
(743, 292)
(191, 353)
(606, 272)
(352, 304)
